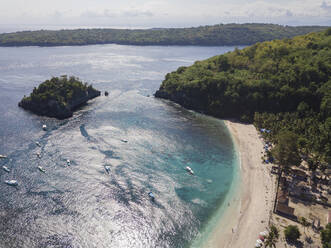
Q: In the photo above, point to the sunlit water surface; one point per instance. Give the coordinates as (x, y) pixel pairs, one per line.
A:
(83, 206)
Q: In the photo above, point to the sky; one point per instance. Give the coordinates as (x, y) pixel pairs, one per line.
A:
(160, 13)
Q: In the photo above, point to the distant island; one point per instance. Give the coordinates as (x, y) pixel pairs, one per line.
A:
(58, 97)
(216, 35)
(280, 85)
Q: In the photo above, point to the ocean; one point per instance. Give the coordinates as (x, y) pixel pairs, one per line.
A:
(146, 142)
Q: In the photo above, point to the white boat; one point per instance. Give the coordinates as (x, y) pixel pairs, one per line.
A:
(68, 162)
(189, 170)
(124, 140)
(44, 127)
(3, 156)
(38, 144)
(11, 182)
(5, 168)
(42, 169)
(151, 196)
(107, 168)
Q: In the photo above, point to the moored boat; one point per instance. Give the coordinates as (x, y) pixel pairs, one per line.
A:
(3, 156)
(42, 169)
(11, 182)
(151, 196)
(107, 168)
(189, 170)
(5, 168)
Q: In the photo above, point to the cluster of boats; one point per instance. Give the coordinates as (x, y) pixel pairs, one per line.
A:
(40, 168)
(107, 168)
(6, 169)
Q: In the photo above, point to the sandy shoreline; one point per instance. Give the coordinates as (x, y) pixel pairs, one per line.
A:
(249, 211)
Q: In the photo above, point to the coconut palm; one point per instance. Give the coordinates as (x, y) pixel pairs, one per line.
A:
(272, 237)
(305, 224)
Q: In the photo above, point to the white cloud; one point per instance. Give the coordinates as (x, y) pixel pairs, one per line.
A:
(156, 13)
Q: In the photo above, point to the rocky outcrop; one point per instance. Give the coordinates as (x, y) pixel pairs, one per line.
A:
(55, 103)
(183, 99)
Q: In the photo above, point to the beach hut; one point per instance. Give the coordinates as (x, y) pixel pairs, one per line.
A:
(299, 174)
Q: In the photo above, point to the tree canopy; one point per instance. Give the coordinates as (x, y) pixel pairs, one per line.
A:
(292, 233)
(58, 96)
(326, 236)
(281, 85)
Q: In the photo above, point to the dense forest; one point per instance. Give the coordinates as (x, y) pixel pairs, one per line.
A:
(58, 97)
(217, 35)
(281, 85)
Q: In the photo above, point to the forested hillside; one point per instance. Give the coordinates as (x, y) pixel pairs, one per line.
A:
(217, 35)
(279, 85)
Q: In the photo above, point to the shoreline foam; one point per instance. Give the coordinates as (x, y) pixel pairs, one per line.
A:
(250, 209)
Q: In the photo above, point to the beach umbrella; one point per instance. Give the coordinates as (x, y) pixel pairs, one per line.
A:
(261, 237)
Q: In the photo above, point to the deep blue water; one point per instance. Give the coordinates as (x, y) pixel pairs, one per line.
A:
(82, 205)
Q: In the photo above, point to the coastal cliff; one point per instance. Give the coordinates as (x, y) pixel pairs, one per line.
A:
(279, 85)
(58, 97)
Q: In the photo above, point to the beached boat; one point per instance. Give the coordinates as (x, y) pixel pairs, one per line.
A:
(151, 196)
(124, 140)
(5, 168)
(42, 169)
(107, 168)
(44, 127)
(68, 162)
(11, 182)
(189, 170)
(3, 156)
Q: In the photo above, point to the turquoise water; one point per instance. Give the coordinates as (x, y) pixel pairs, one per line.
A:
(82, 205)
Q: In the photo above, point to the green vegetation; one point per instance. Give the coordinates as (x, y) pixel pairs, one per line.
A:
(281, 85)
(326, 236)
(58, 97)
(272, 237)
(286, 149)
(228, 34)
(292, 233)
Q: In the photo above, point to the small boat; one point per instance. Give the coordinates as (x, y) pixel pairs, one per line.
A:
(3, 156)
(11, 182)
(151, 195)
(124, 140)
(38, 155)
(5, 168)
(189, 170)
(68, 162)
(44, 127)
(107, 168)
(38, 144)
(42, 169)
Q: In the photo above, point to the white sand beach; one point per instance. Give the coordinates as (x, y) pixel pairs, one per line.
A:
(249, 211)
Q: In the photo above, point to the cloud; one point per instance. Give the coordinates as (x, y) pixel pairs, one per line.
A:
(326, 6)
(167, 13)
(107, 13)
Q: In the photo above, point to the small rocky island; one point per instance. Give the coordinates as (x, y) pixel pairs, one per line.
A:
(58, 97)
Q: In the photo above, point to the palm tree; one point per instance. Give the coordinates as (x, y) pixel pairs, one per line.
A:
(272, 238)
(305, 224)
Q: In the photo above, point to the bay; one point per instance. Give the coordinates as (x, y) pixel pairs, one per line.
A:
(81, 205)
